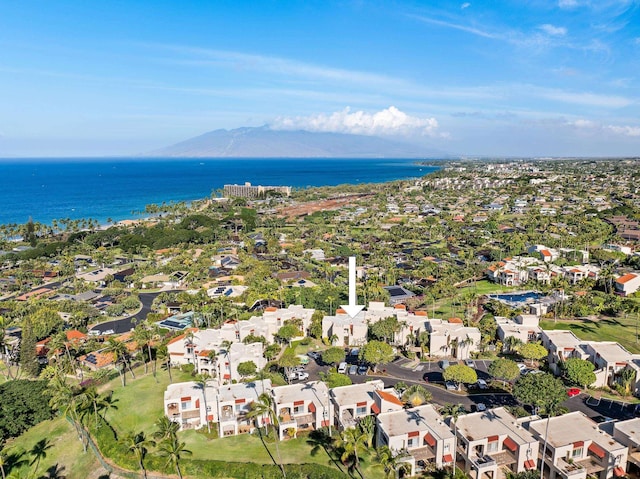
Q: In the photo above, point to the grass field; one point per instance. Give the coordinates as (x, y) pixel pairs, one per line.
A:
(622, 330)
(65, 452)
(140, 404)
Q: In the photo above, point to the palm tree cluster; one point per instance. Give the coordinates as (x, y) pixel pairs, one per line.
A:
(84, 407)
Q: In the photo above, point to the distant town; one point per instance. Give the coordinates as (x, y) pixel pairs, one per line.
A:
(499, 335)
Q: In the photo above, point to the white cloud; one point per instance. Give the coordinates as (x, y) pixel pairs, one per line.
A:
(553, 30)
(389, 121)
(625, 130)
(465, 5)
(582, 98)
(593, 126)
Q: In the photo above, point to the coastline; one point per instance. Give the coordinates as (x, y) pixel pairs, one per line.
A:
(119, 188)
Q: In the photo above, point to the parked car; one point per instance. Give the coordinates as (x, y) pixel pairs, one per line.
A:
(302, 375)
(572, 392)
(353, 369)
(444, 364)
(362, 370)
(522, 366)
(342, 368)
(481, 407)
(470, 363)
(482, 384)
(313, 355)
(451, 386)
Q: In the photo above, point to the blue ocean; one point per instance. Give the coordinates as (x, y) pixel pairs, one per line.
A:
(119, 188)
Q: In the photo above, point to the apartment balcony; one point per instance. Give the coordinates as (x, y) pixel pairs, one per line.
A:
(572, 470)
(347, 420)
(484, 462)
(503, 458)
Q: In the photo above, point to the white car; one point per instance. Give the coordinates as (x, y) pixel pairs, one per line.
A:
(302, 375)
(481, 407)
(522, 366)
(482, 384)
(470, 363)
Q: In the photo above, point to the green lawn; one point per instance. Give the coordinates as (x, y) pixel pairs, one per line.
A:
(66, 451)
(622, 330)
(141, 402)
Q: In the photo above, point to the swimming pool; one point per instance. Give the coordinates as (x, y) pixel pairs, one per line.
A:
(517, 298)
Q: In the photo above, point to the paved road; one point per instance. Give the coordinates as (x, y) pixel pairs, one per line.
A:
(600, 411)
(119, 326)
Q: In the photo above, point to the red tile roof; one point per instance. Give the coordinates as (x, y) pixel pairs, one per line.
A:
(389, 397)
(626, 278)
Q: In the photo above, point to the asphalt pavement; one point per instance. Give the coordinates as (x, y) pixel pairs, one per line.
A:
(124, 325)
(429, 375)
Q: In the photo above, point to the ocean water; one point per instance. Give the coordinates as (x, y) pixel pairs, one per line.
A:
(113, 188)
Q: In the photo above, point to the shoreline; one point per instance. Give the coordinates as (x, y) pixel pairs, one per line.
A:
(118, 177)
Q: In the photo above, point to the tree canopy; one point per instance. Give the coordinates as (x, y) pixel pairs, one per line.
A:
(532, 351)
(579, 371)
(460, 374)
(23, 404)
(540, 390)
(333, 355)
(376, 352)
(504, 369)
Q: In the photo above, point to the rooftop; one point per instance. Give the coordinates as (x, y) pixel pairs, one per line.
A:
(421, 418)
(493, 422)
(573, 427)
(355, 393)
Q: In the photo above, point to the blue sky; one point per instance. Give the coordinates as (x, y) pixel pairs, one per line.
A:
(534, 78)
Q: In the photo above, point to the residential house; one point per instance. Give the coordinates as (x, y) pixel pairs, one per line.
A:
(627, 284)
(421, 432)
(491, 440)
(576, 448)
(302, 406)
(350, 403)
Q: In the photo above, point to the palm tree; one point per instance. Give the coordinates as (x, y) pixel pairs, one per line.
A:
(167, 429)
(454, 411)
(416, 395)
(142, 335)
(265, 407)
(173, 450)
(120, 353)
(39, 452)
(162, 353)
(352, 441)
(138, 444)
(390, 462)
(201, 382)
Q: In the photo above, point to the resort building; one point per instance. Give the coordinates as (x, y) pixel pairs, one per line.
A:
(419, 431)
(628, 433)
(524, 327)
(249, 191)
(302, 406)
(233, 402)
(350, 403)
(452, 338)
(576, 448)
(491, 440)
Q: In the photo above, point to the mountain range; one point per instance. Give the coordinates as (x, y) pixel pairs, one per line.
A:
(262, 142)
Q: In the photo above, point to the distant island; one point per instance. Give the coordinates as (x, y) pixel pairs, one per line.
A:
(263, 142)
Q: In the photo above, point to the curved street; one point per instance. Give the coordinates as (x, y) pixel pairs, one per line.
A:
(119, 326)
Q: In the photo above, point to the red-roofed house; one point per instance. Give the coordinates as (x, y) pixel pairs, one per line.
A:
(627, 284)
